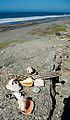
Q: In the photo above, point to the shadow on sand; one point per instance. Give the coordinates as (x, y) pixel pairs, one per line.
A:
(66, 113)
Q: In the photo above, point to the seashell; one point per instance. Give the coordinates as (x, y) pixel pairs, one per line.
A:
(38, 82)
(27, 82)
(30, 70)
(22, 103)
(17, 94)
(58, 84)
(25, 105)
(13, 85)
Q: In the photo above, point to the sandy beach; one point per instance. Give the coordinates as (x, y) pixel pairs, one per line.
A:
(45, 46)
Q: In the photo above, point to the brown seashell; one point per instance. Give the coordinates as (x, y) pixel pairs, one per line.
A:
(26, 105)
(29, 107)
(27, 82)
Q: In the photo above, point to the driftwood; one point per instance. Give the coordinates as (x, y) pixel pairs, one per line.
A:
(49, 75)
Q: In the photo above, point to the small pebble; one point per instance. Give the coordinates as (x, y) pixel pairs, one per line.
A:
(1, 51)
(36, 89)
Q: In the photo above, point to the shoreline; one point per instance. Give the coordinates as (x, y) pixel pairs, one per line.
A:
(19, 25)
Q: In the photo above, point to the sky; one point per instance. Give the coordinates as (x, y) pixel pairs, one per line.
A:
(35, 5)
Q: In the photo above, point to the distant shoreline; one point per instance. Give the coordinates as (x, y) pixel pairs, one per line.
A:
(18, 25)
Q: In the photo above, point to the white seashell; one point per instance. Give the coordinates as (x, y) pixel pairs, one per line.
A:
(58, 84)
(13, 85)
(21, 100)
(17, 94)
(22, 103)
(30, 70)
(38, 82)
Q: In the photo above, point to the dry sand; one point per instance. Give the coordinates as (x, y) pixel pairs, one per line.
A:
(46, 52)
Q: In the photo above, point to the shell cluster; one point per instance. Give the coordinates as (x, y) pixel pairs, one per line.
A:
(26, 105)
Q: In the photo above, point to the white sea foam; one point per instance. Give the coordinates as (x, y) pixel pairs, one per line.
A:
(10, 20)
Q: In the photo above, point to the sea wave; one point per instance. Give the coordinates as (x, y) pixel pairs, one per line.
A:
(13, 20)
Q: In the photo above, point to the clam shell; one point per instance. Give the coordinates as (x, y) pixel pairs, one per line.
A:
(27, 82)
(38, 82)
(13, 85)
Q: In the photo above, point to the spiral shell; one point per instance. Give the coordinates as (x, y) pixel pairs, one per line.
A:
(26, 105)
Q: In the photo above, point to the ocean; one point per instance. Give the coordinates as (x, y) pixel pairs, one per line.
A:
(13, 17)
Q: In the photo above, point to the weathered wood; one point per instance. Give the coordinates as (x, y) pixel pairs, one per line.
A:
(43, 76)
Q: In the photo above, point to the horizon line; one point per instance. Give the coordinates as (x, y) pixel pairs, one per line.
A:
(34, 11)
